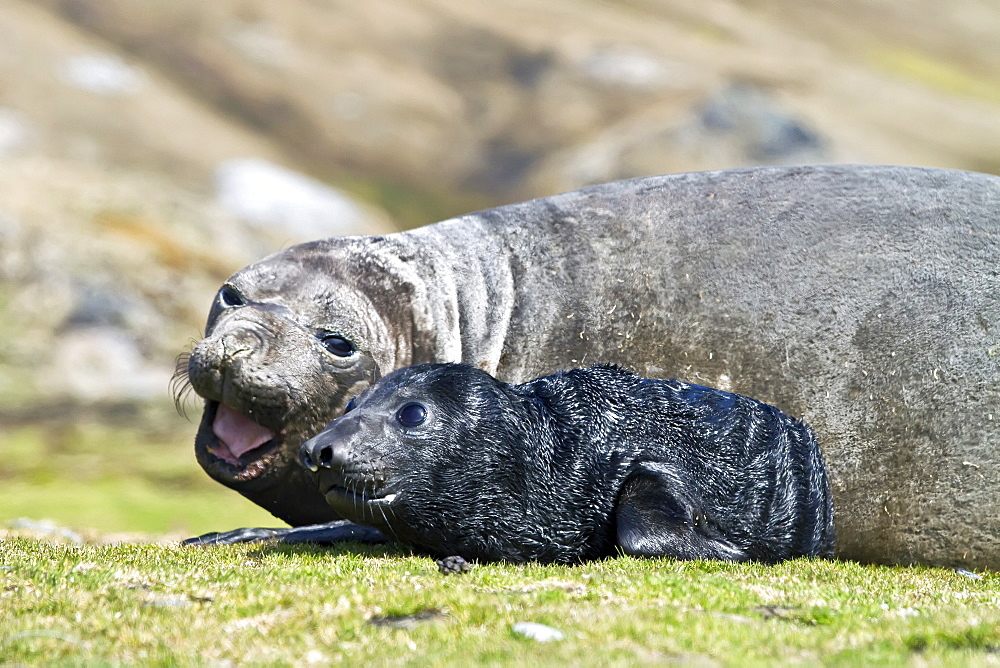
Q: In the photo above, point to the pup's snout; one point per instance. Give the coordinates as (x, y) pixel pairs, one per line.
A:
(333, 448)
(317, 453)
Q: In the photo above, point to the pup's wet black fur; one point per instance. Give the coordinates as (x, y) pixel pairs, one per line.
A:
(578, 465)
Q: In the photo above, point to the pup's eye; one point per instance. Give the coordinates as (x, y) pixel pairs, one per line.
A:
(411, 415)
(350, 405)
(338, 345)
(228, 297)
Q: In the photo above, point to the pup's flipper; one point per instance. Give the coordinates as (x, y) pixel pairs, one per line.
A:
(321, 534)
(658, 517)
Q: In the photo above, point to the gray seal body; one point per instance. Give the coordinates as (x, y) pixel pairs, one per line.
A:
(865, 299)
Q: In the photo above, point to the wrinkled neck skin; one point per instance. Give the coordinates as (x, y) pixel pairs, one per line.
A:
(402, 299)
(463, 288)
(443, 293)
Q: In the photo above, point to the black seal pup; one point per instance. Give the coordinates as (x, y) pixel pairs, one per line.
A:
(578, 465)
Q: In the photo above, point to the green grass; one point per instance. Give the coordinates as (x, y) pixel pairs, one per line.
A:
(164, 605)
(936, 74)
(296, 604)
(94, 475)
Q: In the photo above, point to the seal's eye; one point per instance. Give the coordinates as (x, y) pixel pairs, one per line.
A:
(350, 405)
(411, 415)
(338, 345)
(229, 297)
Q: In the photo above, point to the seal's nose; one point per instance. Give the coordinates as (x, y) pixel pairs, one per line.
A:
(316, 452)
(334, 447)
(305, 457)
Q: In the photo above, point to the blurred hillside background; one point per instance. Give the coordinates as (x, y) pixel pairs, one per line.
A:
(149, 149)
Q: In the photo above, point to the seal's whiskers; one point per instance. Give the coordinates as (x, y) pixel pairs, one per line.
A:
(180, 384)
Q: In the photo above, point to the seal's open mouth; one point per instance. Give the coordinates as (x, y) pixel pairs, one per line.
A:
(237, 435)
(238, 448)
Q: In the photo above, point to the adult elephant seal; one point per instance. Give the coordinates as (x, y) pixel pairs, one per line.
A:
(865, 299)
(583, 464)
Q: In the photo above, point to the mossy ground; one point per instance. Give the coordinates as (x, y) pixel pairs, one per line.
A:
(137, 477)
(162, 604)
(156, 604)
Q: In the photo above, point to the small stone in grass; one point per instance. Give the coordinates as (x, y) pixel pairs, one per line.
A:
(168, 602)
(539, 632)
(406, 621)
(453, 565)
(968, 574)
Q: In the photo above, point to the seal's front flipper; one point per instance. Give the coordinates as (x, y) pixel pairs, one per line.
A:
(250, 535)
(334, 532)
(657, 517)
(321, 534)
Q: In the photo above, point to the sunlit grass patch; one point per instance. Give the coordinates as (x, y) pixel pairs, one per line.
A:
(111, 478)
(383, 605)
(937, 74)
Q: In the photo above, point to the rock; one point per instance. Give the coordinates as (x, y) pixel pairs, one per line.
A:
(738, 126)
(454, 565)
(96, 363)
(631, 67)
(16, 134)
(747, 121)
(260, 44)
(12, 260)
(539, 632)
(46, 528)
(102, 74)
(167, 602)
(968, 574)
(100, 308)
(314, 656)
(407, 621)
(267, 196)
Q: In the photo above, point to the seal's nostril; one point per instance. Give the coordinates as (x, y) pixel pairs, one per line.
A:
(307, 460)
(326, 457)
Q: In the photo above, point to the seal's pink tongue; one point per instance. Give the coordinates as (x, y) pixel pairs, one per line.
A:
(239, 433)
